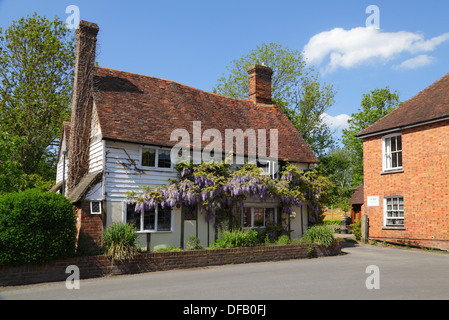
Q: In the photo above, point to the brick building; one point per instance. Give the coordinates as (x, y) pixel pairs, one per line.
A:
(406, 172)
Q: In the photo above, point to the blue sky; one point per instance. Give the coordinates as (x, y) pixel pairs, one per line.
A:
(192, 42)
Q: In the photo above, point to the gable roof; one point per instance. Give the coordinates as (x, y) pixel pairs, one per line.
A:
(83, 187)
(143, 109)
(357, 196)
(431, 104)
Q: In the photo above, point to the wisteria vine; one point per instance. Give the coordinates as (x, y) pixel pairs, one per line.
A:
(211, 186)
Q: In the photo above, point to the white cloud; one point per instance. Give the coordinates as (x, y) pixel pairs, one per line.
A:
(350, 48)
(416, 62)
(336, 122)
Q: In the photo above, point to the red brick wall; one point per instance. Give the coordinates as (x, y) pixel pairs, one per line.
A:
(423, 184)
(99, 266)
(89, 226)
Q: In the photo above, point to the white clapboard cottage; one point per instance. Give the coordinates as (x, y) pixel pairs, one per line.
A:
(118, 140)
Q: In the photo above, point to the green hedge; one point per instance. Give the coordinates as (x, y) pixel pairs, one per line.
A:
(35, 227)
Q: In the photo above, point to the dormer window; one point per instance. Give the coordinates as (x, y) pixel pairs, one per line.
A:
(392, 152)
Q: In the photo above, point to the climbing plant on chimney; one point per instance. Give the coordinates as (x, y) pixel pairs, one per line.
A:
(36, 74)
(212, 186)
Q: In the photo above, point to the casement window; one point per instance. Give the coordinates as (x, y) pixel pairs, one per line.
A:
(157, 219)
(155, 157)
(392, 152)
(394, 211)
(253, 217)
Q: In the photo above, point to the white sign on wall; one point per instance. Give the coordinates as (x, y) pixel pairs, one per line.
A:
(372, 201)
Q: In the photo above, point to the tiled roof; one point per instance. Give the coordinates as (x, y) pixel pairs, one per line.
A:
(83, 187)
(143, 109)
(357, 196)
(430, 104)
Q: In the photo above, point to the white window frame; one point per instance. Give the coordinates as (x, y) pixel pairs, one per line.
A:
(387, 162)
(155, 230)
(99, 205)
(274, 174)
(398, 210)
(156, 158)
(252, 216)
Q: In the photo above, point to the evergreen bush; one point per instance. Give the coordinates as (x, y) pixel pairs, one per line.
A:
(36, 227)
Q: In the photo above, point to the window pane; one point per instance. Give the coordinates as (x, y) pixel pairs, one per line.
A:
(399, 142)
(393, 144)
(394, 161)
(164, 159)
(269, 215)
(148, 219)
(259, 217)
(246, 217)
(148, 157)
(400, 159)
(163, 219)
(133, 217)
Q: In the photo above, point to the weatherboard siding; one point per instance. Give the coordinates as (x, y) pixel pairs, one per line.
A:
(123, 171)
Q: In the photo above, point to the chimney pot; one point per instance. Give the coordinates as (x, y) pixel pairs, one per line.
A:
(260, 84)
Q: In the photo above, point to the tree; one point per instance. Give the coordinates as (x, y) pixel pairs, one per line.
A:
(375, 105)
(295, 88)
(36, 75)
(336, 166)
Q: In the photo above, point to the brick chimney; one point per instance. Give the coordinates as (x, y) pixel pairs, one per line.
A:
(260, 84)
(78, 155)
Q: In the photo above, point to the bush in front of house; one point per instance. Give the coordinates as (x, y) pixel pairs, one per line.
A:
(236, 238)
(35, 227)
(321, 235)
(119, 241)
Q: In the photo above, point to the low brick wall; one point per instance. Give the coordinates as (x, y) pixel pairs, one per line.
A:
(99, 266)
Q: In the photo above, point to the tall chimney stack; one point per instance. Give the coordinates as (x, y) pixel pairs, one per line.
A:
(260, 84)
(78, 155)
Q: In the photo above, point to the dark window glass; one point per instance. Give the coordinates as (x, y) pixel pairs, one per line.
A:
(148, 157)
(164, 159)
(163, 219)
(133, 217)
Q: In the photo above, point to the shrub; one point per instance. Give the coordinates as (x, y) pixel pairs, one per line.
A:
(119, 241)
(283, 240)
(193, 243)
(236, 238)
(357, 229)
(36, 227)
(319, 234)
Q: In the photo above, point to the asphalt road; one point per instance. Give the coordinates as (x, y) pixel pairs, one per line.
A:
(392, 273)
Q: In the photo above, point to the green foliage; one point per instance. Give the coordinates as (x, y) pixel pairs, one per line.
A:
(236, 238)
(336, 165)
(295, 88)
(36, 75)
(193, 243)
(357, 229)
(375, 105)
(212, 186)
(36, 227)
(119, 241)
(283, 240)
(319, 234)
